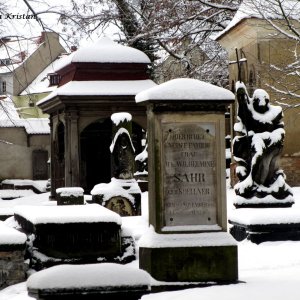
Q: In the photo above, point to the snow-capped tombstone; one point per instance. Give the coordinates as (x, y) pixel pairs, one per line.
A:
(70, 196)
(122, 149)
(257, 149)
(122, 195)
(187, 196)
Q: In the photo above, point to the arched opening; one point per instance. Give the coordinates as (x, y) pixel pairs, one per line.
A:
(95, 156)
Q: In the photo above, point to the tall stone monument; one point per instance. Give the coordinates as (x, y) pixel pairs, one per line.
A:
(187, 238)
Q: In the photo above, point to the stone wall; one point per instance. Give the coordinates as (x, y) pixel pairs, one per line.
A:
(12, 267)
(291, 168)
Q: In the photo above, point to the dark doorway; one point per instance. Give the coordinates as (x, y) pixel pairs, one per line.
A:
(95, 166)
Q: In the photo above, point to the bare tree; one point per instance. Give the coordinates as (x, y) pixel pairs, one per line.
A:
(158, 28)
(283, 17)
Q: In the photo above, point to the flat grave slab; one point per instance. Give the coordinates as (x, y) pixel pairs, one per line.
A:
(265, 224)
(72, 231)
(92, 281)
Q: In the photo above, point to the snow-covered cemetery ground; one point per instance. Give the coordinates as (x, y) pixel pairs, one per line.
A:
(270, 270)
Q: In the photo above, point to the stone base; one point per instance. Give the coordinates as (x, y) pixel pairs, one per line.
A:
(266, 224)
(40, 261)
(213, 259)
(100, 281)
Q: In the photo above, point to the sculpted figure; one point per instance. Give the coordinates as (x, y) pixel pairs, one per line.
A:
(257, 149)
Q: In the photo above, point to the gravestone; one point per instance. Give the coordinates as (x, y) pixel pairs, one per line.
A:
(122, 194)
(71, 234)
(70, 196)
(40, 165)
(187, 239)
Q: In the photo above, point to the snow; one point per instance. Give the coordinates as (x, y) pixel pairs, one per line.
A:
(143, 155)
(107, 51)
(268, 271)
(100, 88)
(265, 216)
(31, 125)
(151, 239)
(7, 207)
(120, 117)
(67, 214)
(41, 82)
(7, 109)
(38, 184)
(261, 9)
(70, 191)
(185, 89)
(117, 187)
(10, 194)
(87, 276)
(11, 236)
(118, 133)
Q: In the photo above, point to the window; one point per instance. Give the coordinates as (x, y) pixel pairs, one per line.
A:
(4, 86)
(54, 78)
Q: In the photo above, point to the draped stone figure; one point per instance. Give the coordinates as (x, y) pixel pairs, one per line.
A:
(257, 149)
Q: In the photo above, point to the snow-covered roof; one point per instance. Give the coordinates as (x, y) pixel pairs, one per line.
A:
(262, 9)
(89, 276)
(16, 51)
(90, 213)
(107, 51)
(31, 125)
(185, 89)
(41, 82)
(100, 88)
(9, 236)
(8, 109)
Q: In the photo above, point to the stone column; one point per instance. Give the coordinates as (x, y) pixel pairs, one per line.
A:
(52, 157)
(72, 150)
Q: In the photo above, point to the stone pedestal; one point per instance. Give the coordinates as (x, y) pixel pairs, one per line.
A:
(263, 225)
(187, 194)
(12, 252)
(70, 196)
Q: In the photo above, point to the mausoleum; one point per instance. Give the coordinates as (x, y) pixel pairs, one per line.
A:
(93, 83)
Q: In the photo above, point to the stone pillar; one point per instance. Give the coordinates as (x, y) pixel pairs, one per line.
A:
(52, 158)
(72, 150)
(187, 184)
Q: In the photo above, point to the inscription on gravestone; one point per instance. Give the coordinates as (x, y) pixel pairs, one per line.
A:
(189, 173)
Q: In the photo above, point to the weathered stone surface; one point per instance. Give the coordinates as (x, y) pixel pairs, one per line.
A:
(189, 173)
(191, 264)
(12, 267)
